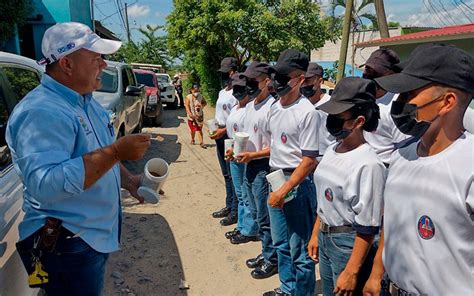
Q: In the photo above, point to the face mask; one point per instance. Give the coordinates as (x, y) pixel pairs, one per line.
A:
(196, 94)
(252, 89)
(307, 91)
(281, 85)
(225, 78)
(370, 76)
(335, 125)
(404, 117)
(239, 92)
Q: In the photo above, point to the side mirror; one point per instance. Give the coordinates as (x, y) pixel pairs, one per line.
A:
(132, 90)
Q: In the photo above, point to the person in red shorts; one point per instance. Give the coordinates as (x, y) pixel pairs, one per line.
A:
(194, 105)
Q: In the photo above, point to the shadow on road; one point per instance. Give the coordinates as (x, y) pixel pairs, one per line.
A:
(170, 117)
(149, 259)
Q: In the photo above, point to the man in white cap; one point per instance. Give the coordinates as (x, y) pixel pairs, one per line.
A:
(63, 147)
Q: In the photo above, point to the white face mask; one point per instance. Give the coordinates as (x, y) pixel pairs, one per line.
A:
(196, 94)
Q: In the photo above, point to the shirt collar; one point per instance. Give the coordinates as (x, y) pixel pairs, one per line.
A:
(73, 97)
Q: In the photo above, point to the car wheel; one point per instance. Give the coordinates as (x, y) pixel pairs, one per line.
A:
(159, 117)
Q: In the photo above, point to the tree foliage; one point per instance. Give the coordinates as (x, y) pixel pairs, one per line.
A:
(203, 32)
(151, 50)
(357, 13)
(13, 14)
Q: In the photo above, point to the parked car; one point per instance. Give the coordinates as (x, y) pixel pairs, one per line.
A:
(168, 91)
(122, 97)
(154, 106)
(18, 76)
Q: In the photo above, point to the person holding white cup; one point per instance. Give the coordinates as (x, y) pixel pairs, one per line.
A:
(247, 229)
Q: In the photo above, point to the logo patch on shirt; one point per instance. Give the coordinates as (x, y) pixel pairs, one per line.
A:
(84, 125)
(426, 228)
(284, 138)
(328, 194)
(255, 128)
(224, 107)
(235, 127)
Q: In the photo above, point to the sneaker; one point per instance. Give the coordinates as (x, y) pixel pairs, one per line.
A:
(255, 262)
(221, 213)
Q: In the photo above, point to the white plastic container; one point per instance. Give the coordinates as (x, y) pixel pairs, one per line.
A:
(276, 180)
(212, 125)
(241, 141)
(228, 144)
(154, 176)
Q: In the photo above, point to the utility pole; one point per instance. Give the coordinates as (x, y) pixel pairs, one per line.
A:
(346, 27)
(381, 18)
(126, 22)
(92, 16)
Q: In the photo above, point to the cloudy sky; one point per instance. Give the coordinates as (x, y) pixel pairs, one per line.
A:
(428, 13)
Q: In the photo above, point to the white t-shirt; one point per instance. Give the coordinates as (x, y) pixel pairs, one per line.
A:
(384, 138)
(255, 122)
(225, 102)
(429, 220)
(235, 121)
(350, 187)
(294, 133)
(469, 120)
(325, 138)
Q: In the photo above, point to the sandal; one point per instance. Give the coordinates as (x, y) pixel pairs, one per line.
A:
(203, 146)
(193, 143)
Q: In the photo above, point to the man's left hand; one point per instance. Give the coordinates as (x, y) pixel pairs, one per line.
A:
(132, 186)
(244, 157)
(346, 283)
(277, 199)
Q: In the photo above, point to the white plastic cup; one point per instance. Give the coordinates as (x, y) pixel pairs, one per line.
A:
(228, 144)
(276, 180)
(154, 176)
(241, 141)
(212, 125)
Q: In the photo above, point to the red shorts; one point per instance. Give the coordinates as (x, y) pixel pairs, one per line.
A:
(194, 127)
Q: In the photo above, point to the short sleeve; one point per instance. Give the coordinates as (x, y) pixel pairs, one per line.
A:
(309, 136)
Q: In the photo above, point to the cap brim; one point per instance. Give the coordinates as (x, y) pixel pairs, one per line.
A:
(224, 69)
(401, 83)
(283, 69)
(333, 107)
(104, 46)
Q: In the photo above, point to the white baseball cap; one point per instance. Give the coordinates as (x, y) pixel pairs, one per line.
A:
(65, 38)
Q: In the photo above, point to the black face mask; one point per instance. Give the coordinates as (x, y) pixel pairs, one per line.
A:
(281, 86)
(225, 77)
(239, 92)
(252, 89)
(335, 125)
(370, 76)
(404, 117)
(307, 91)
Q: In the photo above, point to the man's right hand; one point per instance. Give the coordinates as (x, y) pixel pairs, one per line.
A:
(219, 133)
(313, 250)
(131, 147)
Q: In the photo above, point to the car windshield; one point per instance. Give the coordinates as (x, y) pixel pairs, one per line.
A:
(162, 78)
(144, 78)
(109, 79)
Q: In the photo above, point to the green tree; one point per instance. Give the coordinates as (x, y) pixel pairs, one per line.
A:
(203, 32)
(358, 13)
(13, 14)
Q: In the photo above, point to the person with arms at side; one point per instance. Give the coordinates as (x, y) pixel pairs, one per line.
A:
(429, 193)
(225, 102)
(256, 157)
(194, 104)
(350, 179)
(63, 148)
(293, 126)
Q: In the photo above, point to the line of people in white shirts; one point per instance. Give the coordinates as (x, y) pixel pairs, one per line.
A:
(352, 160)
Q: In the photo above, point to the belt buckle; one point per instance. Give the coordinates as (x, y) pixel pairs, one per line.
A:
(397, 291)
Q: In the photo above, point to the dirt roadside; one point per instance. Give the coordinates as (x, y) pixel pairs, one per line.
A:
(178, 239)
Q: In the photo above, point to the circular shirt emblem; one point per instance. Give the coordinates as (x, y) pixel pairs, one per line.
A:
(328, 194)
(426, 228)
(255, 128)
(224, 107)
(284, 138)
(235, 127)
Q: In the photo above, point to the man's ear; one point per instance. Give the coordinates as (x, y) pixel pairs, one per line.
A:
(359, 121)
(450, 101)
(66, 65)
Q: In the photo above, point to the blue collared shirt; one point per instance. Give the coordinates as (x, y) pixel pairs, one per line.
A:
(49, 132)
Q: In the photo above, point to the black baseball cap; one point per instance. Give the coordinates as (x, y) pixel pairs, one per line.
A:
(228, 64)
(291, 60)
(383, 59)
(444, 64)
(313, 70)
(238, 80)
(350, 91)
(256, 69)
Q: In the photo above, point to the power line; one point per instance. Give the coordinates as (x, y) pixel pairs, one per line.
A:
(438, 20)
(115, 13)
(466, 5)
(460, 9)
(446, 13)
(119, 10)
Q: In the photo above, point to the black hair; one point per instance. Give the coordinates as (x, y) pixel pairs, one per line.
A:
(371, 112)
(50, 67)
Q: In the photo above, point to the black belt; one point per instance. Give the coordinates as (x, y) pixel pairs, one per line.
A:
(259, 162)
(397, 291)
(335, 229)
(285, 171)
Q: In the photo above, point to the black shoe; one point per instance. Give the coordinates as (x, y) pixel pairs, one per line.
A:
(276, 292)
(242, 239)
(229, 220)
(264, 271)
(230, 234)
(255, 262)
(221, 213)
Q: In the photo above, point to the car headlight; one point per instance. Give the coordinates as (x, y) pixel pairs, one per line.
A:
(153, 99)
(112, 116)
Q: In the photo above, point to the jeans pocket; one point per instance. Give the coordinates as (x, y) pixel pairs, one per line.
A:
(74, 245)
(343, 242)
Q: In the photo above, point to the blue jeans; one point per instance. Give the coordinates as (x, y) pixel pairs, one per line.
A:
(257, 189)
(74, 268)
(231, 198)
(245, 222)
(291, 229)
(335, 249)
